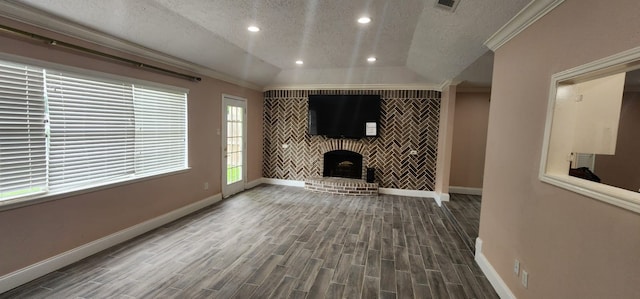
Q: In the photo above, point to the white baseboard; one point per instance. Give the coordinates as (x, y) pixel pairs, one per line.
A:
(441, 197)
(281, 182)
(407, 192)
(444, 197)
(492, 275)
(478, 245)
(29, 273)
(465, 190)
(253, 183)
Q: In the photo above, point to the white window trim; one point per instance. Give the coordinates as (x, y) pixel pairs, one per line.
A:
(38, 198)
(613, 195)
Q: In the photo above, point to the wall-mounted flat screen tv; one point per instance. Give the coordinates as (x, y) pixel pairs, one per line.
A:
(344, 116)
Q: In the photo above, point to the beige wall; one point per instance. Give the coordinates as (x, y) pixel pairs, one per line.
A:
(572, 246)
(255, 135)
(445, 140)
(623, 168)
(469, 139)
(36, 232)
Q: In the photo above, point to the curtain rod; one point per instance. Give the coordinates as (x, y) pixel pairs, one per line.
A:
(54, 42)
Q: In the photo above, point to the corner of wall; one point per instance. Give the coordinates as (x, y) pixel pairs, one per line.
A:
(445, 139)
(492, 275)
(440, 198)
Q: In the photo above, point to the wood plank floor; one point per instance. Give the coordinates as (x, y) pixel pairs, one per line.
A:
(465, 210)
(282, 242)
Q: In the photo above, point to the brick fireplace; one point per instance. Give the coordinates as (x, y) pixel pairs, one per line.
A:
(343, 165)
(409, 120)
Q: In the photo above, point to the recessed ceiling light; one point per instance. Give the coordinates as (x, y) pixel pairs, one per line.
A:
(253, 28)
(371, 59)
(299, 62)
(364, 20)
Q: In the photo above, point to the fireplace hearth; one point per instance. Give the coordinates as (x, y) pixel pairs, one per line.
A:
(342, 164)
(342, 175)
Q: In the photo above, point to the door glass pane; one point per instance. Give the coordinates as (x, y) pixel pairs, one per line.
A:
(234, 144)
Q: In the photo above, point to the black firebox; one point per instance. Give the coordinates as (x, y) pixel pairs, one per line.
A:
(343, 164)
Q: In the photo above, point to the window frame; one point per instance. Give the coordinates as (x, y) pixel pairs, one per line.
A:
(102, 185)
(609, 194)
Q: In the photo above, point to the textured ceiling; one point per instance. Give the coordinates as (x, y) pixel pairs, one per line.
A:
(415, 43)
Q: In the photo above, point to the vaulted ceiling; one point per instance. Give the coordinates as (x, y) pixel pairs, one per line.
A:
(414, 42)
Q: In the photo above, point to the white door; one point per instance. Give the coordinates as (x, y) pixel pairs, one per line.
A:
(234, 114)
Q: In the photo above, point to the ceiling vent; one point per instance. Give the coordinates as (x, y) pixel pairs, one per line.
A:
(448, 5)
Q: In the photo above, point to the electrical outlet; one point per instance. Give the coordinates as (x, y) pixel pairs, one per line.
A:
(516, 267)
(525, 278)
(206, 186)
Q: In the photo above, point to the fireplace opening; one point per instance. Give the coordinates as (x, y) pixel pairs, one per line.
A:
(343, 164)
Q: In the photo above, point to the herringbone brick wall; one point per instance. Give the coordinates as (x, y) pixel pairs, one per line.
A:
(409, 121)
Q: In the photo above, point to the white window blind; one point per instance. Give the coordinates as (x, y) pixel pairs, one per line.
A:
(92, 130)
(62, 132)
(23, 164)
(161, 132)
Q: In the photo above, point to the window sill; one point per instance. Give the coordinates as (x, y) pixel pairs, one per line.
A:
(41, 198)
(613, 195)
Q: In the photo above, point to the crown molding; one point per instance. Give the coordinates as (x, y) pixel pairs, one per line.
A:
(535, 10)
(444, 85)
(24, 14)
(355, 87)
